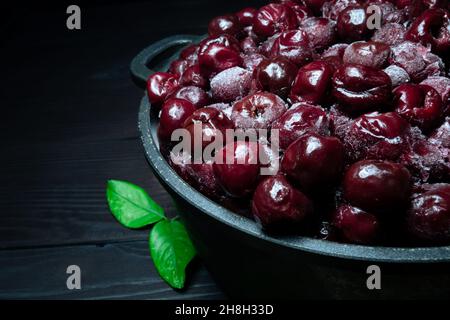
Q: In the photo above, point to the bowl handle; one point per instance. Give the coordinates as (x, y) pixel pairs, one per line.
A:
(139, 65)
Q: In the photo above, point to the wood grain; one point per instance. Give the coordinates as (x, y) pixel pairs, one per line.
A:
(69, 124)
(111, 271)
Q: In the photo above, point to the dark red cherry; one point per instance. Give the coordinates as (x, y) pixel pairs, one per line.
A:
(160, 85)
(198, 175)
(231, 84)
(429, 216)
(321, 32)
(237, 168)
(315, 162)
(421, 105)
(298, 120)
(276, 203)
(377, 136)
(190, 53)
(275, 75)
(397, 74)
(257, 111)
(417, 60)
(356, 225)
(178, 67)
(332, 9)
(432, 27)
(442, 86)
(301, 11)
(390, 34)
(377, 186)
(197, 96)
(218, 53)
(246, 16)
(333, 55)
(226, 24)
(210, 123)
(389, 12)
(173, 114)
(312, 83)
(274, 18)
(360, 88)
(352, 24)
(441, 136)
(413, 8)
(293, 45)
(249, 45)
(252, 60)
(193, 77)
(369, 53)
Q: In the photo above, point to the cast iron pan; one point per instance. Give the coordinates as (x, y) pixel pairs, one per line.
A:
(239, 255)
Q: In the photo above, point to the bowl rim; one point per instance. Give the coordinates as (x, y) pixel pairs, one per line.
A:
(248, 226)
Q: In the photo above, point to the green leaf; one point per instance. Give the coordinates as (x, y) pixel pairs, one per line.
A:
(171, 251)
(131, 205)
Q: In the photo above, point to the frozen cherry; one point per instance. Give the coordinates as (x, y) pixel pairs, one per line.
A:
(198, 175)
(355, 225)
(173, 114)
(334, 54)
(293, 45)
(160, 85)
(193, 77)
(226, 24)
(377, 136)
(431, 28)
(390, 34)
(246, 16)
(298, 120)
(237, 168)
(276, 203)
(352, 24)
(360, 88)
(301, 11)
(377, 186)
(197, 96)
(397, 74)
(442, 86)
(312, 83)
(274, 18)
(275, 75)
(248, 45)
(211, 122)
(313, 161)
(417, 60)
(429, 216)
(421, 105)
(231, 84)
(257, 111)
(332, 9)
(441, 136)
(321, 32)
(252, 60)
(371, 54)
(218, 53)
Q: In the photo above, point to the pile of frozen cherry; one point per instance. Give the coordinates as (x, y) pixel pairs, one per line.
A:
(360, 95)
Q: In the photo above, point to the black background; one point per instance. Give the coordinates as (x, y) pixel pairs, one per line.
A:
(68, 125)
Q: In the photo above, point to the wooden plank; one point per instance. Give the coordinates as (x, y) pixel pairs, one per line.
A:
(112, 271)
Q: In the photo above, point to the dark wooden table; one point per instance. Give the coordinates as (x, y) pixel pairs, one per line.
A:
(68, 125)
